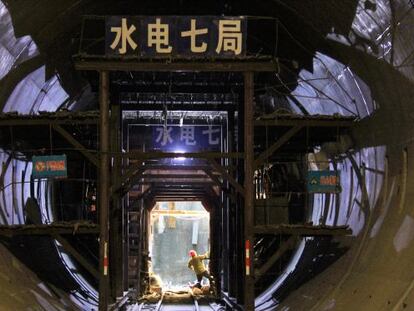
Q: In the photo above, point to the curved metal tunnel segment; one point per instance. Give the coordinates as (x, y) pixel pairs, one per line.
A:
(375, 270)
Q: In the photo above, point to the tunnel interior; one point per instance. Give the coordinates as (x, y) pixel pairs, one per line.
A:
(339, 101)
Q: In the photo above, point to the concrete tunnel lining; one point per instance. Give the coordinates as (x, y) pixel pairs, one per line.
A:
(382, 93)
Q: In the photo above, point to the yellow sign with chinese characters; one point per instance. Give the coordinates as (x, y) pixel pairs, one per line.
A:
(176, 36)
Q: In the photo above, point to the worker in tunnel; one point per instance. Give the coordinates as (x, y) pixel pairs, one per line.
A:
(196, 263)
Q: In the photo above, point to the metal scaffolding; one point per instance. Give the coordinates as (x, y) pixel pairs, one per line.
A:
(120, 172)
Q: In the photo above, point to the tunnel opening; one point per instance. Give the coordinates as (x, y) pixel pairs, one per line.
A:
(179, 113)
(177, 228)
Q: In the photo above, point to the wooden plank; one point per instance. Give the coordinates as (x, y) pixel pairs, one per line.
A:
(302, 230)
(75, 254)
(279, 143)
(76, 144)
(286, 245)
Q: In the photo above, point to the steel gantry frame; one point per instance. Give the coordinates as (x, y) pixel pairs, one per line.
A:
(139, 174)
(248, 69)
(246, 191)
(57, 230)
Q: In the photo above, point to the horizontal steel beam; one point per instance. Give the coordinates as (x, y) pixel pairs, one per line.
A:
(195, 155)
(52, 229)
(178, 195)
(158, 192)
(177, 186)
(307, 122)
(173, 179)
(29, 121)
(90, 117)
(167, 66)
(178, 199)
(174, 213)
(151, 167)
(184, 183)
(303, 230)
(178, 107)
(173, 176)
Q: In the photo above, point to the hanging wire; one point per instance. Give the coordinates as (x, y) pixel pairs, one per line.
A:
(306, 169)
(50, 139)
(266, 165)
(318, 91)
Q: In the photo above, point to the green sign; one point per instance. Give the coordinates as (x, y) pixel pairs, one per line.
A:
(53, 166)
(324, 182)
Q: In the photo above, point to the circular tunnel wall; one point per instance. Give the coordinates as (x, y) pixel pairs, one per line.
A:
(367, 73)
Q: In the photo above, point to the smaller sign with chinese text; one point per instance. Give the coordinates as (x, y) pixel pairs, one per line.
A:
(187, 138)
(54, 166)
(176, 36)
(323, 182)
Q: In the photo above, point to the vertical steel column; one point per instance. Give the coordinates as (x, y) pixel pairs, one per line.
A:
(142, 237)
(225, 245)
(116, 210)
(228, 254)
(103, 190)
(249, 295)
(237, 215)
(125, 212)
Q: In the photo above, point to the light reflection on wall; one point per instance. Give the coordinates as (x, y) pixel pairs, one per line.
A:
(351, 209)
(13, 51)
(333, 89)
(34, 94)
